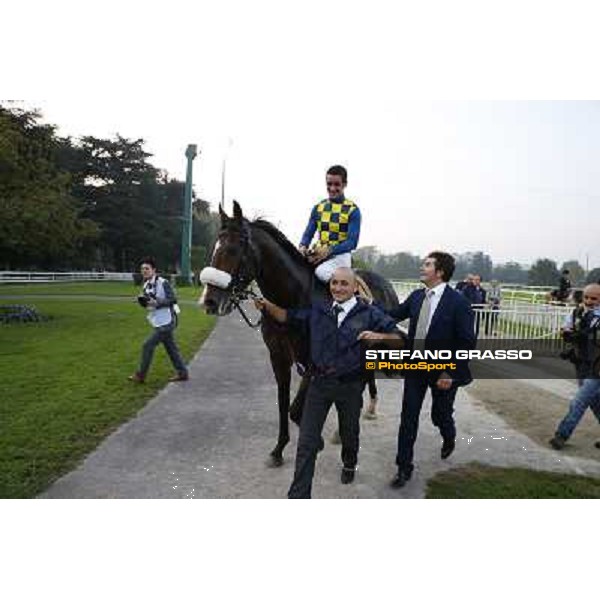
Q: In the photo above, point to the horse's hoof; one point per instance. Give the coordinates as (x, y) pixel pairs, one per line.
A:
(275, 459)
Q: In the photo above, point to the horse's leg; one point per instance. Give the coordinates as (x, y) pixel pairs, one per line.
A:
(281, 363)
(283, 376)
(371, 412)
(298, 404)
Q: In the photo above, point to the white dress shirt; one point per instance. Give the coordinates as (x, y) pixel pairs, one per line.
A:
(346, 308)
(436, 292)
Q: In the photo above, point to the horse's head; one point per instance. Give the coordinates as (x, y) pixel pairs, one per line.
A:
(232, 266)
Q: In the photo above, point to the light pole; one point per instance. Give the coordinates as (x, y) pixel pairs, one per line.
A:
(186, 233)
(223, 168)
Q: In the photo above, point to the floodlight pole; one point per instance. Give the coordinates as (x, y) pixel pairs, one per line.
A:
(223, 169)
(186, 234)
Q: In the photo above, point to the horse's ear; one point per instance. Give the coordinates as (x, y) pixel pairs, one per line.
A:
(237, 211)
(224, 217)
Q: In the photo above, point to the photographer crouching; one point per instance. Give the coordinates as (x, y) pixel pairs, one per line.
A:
(158, 299)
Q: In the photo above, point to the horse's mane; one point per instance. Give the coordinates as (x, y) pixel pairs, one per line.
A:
(280, 238)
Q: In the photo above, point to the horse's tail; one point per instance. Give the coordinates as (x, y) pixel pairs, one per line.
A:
(383, 291)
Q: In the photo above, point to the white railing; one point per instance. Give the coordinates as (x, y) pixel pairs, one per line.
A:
(516, 318)
(544, 322)
(404, 288)
(45, 277)
(512, 294)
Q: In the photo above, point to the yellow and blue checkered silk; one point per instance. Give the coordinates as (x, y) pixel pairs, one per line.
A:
(332, 221)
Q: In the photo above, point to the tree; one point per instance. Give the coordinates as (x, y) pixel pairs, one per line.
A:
(367, 255)
(138, 207)
(544, 272)
(119, 191)
(593, 276)
(88, 203)
(473, 262)
(482, 265)
(576, 270)
(510, 272)
(41, 222)
(205, 226)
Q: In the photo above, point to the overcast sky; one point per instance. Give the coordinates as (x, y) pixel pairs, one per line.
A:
(438, 155)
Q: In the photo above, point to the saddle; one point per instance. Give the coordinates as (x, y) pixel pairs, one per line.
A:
(364, 291)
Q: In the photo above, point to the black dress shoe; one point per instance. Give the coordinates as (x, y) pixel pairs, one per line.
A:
(347, 475)
(400, 480)
(448, 448)
(180, 377)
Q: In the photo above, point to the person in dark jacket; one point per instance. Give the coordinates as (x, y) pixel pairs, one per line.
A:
(440, 319)
(461, 285)
(473, 292)
(336, 329)
(587, 342)
(477, 297)
(573, 333)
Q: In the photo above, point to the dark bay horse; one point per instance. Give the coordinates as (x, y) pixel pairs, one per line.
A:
(256, 250)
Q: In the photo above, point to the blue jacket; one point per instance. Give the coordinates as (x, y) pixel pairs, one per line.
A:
(334, 350)
(452, 326)
(475, 295)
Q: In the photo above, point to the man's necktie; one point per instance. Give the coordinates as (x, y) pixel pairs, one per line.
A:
(336, 309)
(423, 322)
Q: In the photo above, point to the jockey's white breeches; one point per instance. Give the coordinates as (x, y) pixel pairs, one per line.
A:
(325, 270)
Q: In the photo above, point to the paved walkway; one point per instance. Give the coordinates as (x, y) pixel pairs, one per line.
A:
(210, 438)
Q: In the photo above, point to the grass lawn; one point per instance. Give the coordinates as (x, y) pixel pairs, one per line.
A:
(90, 288)
(481, 481)
(63, 383)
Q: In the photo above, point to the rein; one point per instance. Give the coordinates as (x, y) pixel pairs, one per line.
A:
(239, 291)
(240, 296)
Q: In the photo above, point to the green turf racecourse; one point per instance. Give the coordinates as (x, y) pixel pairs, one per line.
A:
(63, 382)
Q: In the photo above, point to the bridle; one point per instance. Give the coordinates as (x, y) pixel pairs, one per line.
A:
(241, 279)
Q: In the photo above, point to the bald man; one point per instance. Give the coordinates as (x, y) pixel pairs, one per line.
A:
(335, 330)
(584, 334)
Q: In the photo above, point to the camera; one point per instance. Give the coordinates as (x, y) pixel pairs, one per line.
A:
(570, 337)
(570, 355)
(143, 299)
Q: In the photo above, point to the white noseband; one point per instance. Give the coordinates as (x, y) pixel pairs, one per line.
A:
(216, 277)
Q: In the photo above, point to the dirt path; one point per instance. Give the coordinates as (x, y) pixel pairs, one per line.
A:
(535, 407)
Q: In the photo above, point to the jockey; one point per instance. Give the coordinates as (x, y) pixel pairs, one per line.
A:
(337, 221)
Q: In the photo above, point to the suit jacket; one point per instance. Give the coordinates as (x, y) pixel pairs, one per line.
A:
(452, 326)
(474, 295)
